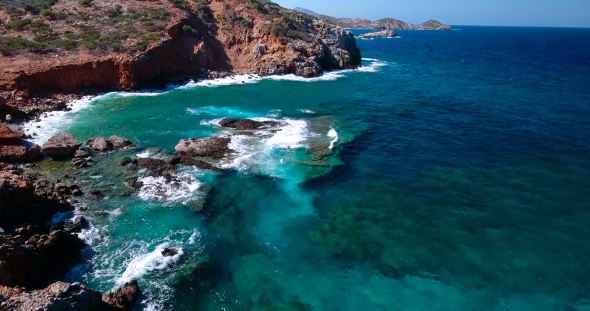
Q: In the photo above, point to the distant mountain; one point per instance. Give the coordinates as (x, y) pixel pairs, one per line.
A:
(306, 11)
(385, 23)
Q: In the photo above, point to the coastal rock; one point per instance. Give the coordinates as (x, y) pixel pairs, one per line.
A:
(61, 145)
(8, 136)
(125, 161)
(35, 261)
(247, 124)
(156, 167)
(379, 34)
(123, 298)
(64, 296)
(185, 160)
(13, 153)
(34, 153)
(169, 252)
(82, 153)
(215, 147)
(99, 144)
(120, 142)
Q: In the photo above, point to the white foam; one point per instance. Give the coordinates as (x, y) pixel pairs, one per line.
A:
(374, 65)
(332, 133)
(327, 76)
(231, 80)
(290, 136)
(144, 154)
(53, 122)
(307, 111)
(214, 122)
(181, 189)
(146, 263)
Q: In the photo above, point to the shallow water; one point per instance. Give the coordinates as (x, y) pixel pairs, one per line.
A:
(457, 180)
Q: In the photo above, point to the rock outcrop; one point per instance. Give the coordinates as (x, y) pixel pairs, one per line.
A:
(62, 145)
(378, 34)
(214, 147)
(64, 296)
(13, 149)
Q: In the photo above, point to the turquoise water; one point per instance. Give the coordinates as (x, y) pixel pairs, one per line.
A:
(458, 181)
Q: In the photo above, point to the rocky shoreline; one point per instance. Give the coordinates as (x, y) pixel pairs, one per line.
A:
(379, 34)
(37, 248)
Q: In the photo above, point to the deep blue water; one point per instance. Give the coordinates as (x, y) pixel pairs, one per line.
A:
(460, 181)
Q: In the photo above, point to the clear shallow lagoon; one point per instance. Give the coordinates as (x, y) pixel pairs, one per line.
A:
(459, 180)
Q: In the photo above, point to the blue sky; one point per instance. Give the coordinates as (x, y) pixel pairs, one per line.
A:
(565, 13)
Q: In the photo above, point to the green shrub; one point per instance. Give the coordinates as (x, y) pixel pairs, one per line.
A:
(46, 13)
(84, 2)
(18, 24)
(177, 2)
(115, 12)
(11, 45)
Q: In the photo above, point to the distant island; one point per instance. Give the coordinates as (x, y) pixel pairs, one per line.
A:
(385, 23)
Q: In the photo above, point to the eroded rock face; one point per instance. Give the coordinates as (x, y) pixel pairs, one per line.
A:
(64, 296)
(62, 145)
(247, 124)
(214, 147)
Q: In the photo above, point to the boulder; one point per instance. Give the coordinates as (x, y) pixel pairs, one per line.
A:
(247, 124)
(215, 147)
(81, 153)
(156, 167)
(169, 252)
(120, 142)
(8, 136)
(13, 153)
(123, 298)
(34, 153)
(62, 145)
(259, 50)
(99, 144)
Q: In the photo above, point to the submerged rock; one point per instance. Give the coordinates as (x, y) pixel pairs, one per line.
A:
(189, 161)
(61, 145)
(247, 124)
(215, 147)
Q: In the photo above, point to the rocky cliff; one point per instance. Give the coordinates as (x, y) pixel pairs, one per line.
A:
(74, 46)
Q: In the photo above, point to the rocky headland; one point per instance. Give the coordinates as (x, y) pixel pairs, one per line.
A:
(51, 52)
(384, 23)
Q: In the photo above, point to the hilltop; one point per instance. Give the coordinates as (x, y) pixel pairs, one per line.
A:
(385, 23)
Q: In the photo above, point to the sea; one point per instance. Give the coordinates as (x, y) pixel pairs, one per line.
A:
(450, 172)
